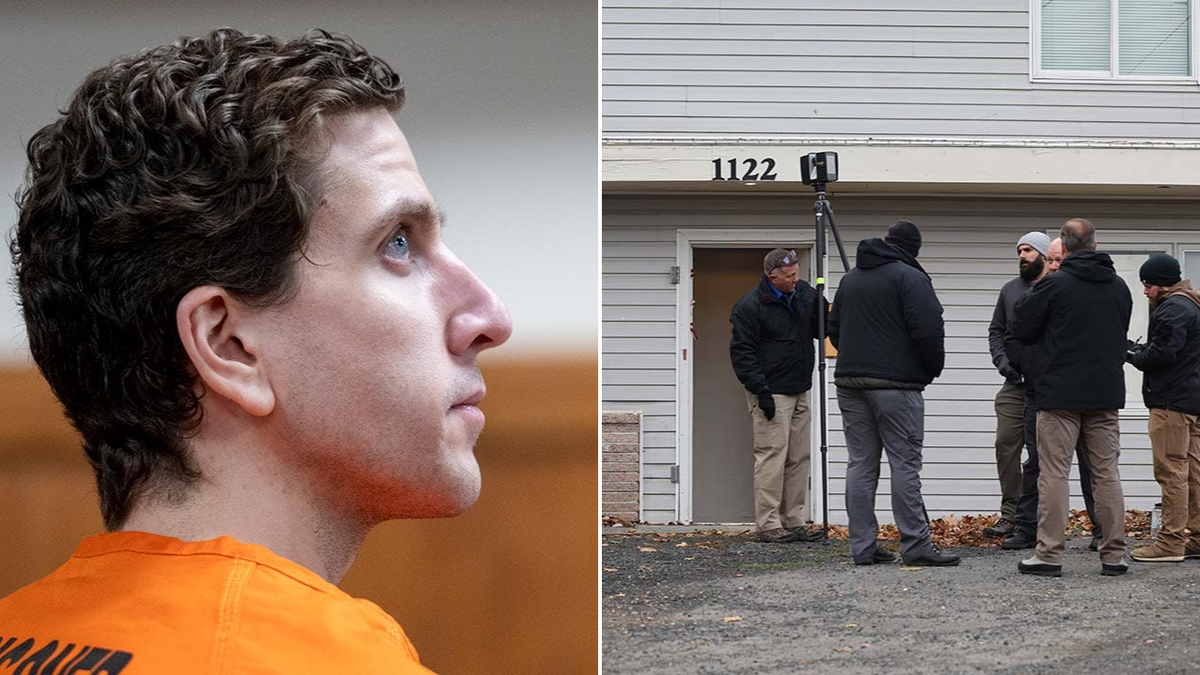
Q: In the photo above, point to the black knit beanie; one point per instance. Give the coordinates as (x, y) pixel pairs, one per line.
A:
(905, 235)
(1160, 270)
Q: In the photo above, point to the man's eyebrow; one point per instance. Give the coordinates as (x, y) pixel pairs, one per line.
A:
(417, 214)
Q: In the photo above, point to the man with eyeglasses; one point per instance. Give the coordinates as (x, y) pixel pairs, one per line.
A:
(773, 351)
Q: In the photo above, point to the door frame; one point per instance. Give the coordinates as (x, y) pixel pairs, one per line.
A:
(687, 239)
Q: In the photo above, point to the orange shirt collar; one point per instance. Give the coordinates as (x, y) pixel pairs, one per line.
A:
(156, 544)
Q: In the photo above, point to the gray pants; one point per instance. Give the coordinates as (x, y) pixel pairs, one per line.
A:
(892, 420)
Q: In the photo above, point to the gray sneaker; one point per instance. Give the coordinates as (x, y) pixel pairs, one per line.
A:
(1114, 569)
(1034, 565)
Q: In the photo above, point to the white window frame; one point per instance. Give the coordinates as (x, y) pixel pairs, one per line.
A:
(1037, 74)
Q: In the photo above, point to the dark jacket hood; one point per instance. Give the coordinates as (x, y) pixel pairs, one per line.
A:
(1090, 266)
(876, 252)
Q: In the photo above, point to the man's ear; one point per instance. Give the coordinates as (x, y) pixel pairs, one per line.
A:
(221, 345)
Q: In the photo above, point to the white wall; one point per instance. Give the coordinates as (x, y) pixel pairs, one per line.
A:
(501, 113)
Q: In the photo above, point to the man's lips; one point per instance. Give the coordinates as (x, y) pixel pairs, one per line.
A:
(472, 399)
(468, 408)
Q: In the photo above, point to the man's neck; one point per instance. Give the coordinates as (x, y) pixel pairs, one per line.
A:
(241, 495)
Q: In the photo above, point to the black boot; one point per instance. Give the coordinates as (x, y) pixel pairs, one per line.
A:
(934, 558)
(1019, 539)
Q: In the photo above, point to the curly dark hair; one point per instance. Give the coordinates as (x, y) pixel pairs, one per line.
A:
(186, 165)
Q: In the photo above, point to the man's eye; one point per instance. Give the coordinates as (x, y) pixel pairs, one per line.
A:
(398, 247)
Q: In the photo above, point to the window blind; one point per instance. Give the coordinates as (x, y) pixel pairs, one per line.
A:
(1076, 35)
(1153, 37)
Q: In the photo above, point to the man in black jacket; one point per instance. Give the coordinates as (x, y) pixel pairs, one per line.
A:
(1023, 359)
(1078, 318)
(1171, 389)
(773, 353)
(887, 326)
(1032, 250)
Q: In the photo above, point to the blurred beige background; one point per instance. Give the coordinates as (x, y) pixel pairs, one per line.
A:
(501, 114)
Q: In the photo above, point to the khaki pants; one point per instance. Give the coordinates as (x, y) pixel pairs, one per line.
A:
(1057, 434)
(1010, 440)
(1175, 437)
(781, 461)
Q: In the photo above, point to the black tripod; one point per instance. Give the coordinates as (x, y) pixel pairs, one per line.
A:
(824, 211)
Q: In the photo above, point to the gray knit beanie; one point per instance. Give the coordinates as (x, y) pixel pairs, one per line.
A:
(1038, 240)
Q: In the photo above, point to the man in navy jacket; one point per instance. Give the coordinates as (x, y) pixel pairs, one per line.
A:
(772, 351)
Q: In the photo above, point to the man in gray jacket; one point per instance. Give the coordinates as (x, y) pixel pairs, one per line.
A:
(1032, 250)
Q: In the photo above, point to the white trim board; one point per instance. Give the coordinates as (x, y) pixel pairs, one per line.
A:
(930, 166)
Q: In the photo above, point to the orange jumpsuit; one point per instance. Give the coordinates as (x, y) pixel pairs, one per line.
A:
(135, 603)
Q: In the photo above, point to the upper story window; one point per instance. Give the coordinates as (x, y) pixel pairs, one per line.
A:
(1113, 39)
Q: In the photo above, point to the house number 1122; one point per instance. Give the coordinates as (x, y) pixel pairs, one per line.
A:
(750, 169)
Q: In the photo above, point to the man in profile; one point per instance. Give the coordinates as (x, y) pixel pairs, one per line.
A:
(887, 326)
(233, 278)
(1078, 318)
(772, 349)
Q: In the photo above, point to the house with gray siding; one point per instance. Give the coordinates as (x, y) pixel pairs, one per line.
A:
(978, 121)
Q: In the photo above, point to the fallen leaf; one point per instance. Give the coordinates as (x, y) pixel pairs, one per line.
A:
(866, 645)
(850, 625)
(611, 569)
(908, 568)
(690, 558)
(739, 574)
(1151, 641)
(843, 649)
(618, 595)
(731, 619)
(647, 549)
(682, 544)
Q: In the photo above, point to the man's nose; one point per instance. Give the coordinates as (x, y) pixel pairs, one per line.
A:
(480, 321)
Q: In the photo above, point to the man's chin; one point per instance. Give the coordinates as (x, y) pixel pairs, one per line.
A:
(450, 496)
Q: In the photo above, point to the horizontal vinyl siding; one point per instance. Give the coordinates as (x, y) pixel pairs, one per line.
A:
(866, 68)
(638, 327)
(969, 251)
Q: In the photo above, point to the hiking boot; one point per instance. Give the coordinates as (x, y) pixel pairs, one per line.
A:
(934, 558)
(1002, 528)
(1034, 565)
(807, 535)
(1114, 569)
(777, 536)
(1192, 550)
(1018, 540)
(881, 556)
(1156, 552)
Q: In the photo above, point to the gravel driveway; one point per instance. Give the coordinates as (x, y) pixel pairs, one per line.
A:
(712, 602)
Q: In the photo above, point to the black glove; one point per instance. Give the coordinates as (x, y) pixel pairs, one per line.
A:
(1010, 375)
(766, 403)
(1132, 350)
